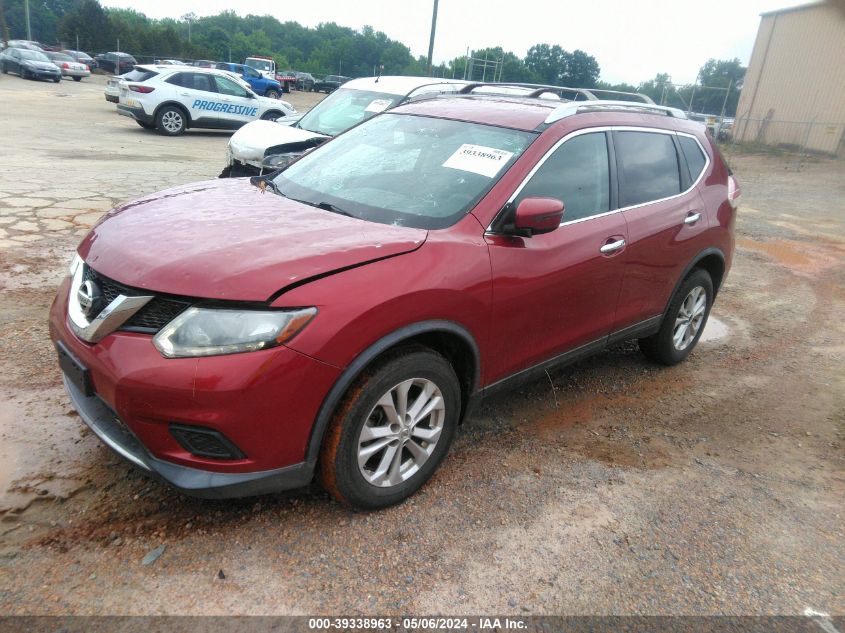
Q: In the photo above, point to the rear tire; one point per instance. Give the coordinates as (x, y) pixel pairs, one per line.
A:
(77, 78)
(171, 121)
(684, 322)
(57, 79)
(406, 436)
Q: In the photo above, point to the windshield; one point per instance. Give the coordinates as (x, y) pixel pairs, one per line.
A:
(34, 56)
(60, 57)
(405, 170)
(260, 64)
(344, 108)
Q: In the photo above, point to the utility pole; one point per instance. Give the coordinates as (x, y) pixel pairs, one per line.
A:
(28, 27)
(5, 27)
(431, 39)
(189, 18)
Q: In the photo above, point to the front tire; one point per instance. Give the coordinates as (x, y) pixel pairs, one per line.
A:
(271, 115)
(272, 94)
(171, 121)
(392, 430)
(684, 322)
(146, 126)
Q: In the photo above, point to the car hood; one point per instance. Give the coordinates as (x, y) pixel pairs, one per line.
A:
(249, 142)
(225, 239)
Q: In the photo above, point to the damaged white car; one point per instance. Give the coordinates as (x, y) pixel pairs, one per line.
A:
(263, 146)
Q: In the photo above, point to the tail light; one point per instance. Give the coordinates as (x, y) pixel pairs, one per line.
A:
(141, 89)
(88, 68)
(734, 192)
(66, 66)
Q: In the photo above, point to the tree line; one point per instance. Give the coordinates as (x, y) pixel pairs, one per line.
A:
(333, 49)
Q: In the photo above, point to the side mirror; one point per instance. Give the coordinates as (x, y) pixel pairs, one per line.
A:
(535, 216)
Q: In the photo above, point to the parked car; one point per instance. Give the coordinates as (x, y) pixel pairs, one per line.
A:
(169, 62)
(82, 58)
(204, 63)
(341, 319)
(265, 145)
(172, 99)
(305, 81)
(256, 81)
(330, 83)
(69, 67)
(115, 63)
(26, 44)
(29, 64)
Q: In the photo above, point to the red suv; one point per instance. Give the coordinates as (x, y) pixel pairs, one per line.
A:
(340, 317)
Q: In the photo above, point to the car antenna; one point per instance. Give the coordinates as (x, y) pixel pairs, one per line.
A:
(380, 71)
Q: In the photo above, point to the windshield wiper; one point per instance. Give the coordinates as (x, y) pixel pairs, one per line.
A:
(328, 206)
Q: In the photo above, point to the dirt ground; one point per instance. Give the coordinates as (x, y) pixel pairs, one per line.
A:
(614, 487)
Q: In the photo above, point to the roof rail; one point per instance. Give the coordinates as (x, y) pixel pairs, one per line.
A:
(410, 96)
(578, 94)
(575, 107)
(644, 98)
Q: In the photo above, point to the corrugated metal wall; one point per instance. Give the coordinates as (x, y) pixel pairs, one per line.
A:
(794, 90)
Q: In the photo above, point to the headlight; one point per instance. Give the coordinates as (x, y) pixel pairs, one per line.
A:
(278, 161)
(75, 263)
(211, 332)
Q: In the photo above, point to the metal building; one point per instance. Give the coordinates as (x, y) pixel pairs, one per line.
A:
(794, 90)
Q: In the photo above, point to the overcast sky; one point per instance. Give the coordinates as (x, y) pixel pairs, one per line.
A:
(631, 39)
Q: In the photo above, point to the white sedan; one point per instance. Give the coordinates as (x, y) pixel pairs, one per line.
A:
(172, 99)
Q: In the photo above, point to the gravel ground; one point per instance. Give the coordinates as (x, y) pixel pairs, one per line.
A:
(614, 487)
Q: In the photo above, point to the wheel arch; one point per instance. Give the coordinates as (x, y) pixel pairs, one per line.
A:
(448, 338)
(711, 260)
(188, 120)
(269, 114)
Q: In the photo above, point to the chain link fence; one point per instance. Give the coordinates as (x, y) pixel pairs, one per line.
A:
(814, 137)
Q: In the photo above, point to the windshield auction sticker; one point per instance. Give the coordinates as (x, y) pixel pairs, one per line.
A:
(378, 105)
(486, 161)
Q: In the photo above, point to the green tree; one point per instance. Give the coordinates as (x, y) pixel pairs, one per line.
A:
(714, 78)
(89, 23)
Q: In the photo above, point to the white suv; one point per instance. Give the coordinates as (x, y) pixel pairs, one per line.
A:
(171, 99)
(266, 146)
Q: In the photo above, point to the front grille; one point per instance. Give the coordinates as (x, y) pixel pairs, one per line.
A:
(157, 313)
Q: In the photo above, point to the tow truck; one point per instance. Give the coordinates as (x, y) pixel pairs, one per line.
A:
(267, 67)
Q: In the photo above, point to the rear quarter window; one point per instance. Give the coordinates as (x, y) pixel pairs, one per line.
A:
(138, 76)
(648, 167)
(696, 160)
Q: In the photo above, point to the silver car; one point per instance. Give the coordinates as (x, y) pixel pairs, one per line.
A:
(69, 66)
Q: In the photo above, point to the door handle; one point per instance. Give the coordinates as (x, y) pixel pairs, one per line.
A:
(692, 218)
(184, 94)
(612, 247)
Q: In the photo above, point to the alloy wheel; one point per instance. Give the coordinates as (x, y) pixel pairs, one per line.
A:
(401, 432)
(690, 317)
(172, 121)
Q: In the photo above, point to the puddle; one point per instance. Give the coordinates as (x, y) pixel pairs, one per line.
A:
(800, 257)
(715, 331)
(41, 450)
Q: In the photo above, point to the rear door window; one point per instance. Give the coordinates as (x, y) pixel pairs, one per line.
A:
(577, 173)
(648, 167)
(695, 157)
(192, 81)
